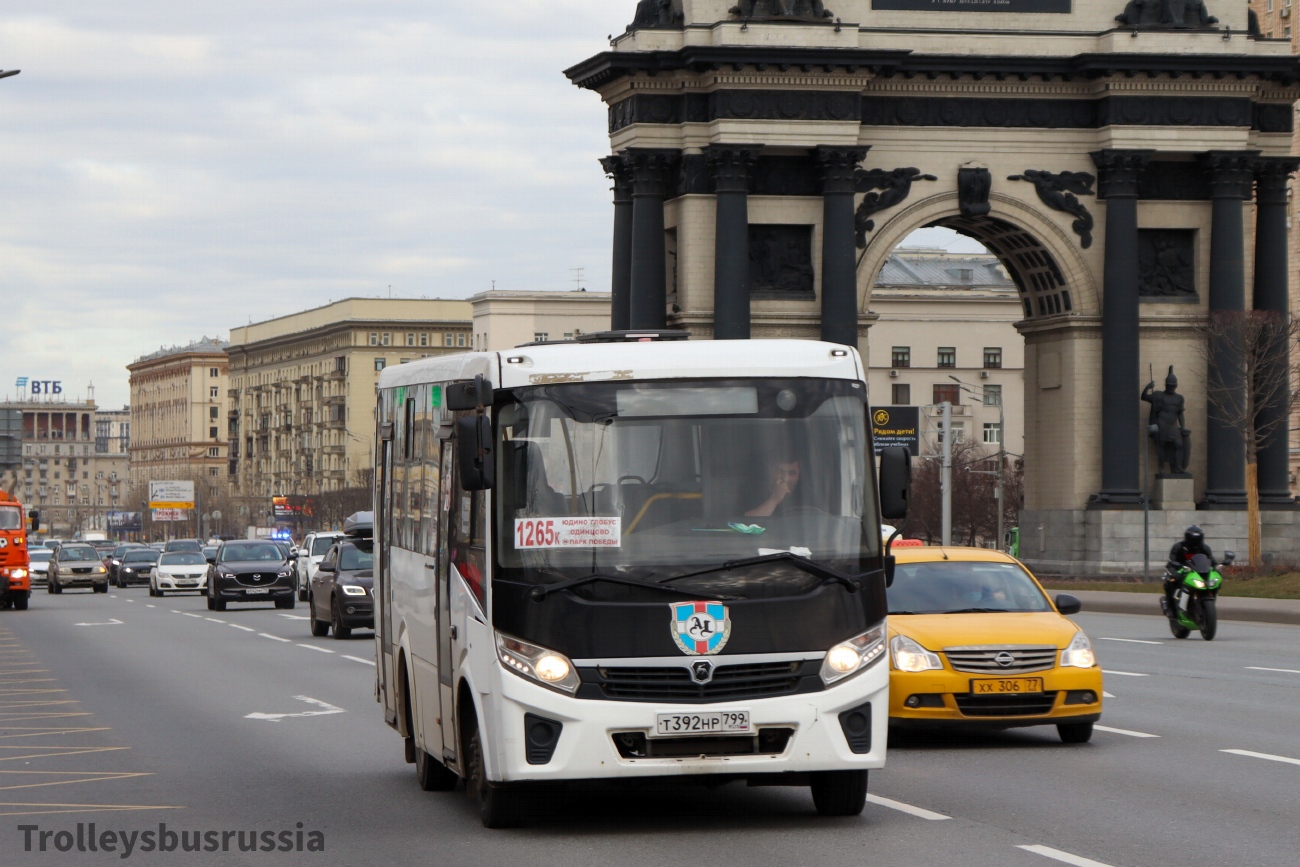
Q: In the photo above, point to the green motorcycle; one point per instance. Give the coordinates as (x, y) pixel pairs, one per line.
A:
(1195, 598)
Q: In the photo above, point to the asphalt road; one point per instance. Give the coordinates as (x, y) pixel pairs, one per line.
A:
(129, 712)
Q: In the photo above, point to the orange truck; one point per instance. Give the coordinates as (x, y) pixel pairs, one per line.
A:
(15, 574)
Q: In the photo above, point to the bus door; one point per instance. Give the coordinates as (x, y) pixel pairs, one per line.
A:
(447, 497)
(384, 623)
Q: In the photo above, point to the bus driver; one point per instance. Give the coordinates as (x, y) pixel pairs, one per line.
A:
(783, 476)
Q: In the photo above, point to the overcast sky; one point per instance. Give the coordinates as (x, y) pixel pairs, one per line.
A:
(168, 170)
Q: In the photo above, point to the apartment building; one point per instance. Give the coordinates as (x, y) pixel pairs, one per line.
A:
(504, 320)
(302, 390)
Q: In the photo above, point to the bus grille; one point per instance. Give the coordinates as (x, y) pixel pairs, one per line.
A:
(984, 660)
(1034, 704)
(674, 683)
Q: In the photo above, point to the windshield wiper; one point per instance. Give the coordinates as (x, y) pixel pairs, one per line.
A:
(541, 591)
(852, 582)
(979, 611)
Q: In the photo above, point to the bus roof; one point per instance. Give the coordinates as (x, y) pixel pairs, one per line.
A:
(577, 362)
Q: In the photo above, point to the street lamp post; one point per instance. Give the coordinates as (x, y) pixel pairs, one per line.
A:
(1002, 458)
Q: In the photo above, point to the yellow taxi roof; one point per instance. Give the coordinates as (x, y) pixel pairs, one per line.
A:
(935, 553)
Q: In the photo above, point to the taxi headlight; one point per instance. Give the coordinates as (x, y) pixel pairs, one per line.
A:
(850, 657)
(547, 667)
(1079, 653)
(910, 656)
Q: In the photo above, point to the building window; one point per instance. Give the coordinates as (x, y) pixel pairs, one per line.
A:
(212, 471)
(947, 393)
(374, 338)
(541, 336)
(448, 340)
(381, 363)
(214, 452)
(460, 339)
(992, 433)
(212, 433)
(901, 394)
(958, 433)
(340, 364)
(993, 395)
(386, 339)
(212, 412)
(947, 356)
(993, 357)
(214, 393)
(404, 361)
(410, 338)
(424, 339)
(214, 372)
(901, 356)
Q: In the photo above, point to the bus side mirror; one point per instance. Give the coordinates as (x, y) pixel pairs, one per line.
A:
(474, 452)
(895, 482)
(469, 394)
(36, 521)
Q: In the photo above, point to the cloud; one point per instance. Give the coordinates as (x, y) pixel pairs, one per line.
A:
(170, 170)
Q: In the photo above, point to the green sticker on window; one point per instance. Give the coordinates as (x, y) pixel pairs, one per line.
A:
(401, 395)
(435, 396)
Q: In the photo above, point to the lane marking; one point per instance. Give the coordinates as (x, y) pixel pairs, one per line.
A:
(274, 637)
(295, 616)
(175, 611)
(112, 597)
(1268, 756)
(371, 663)
(325, 709)
(314, 647)
(1105, 694)
(112, 621)
(147, 605)
(1124, 673)
(1064, 857)
(1131, 734)
(1282, 670)
(237, 626)
(76, 808)
(132, 601)
(215, 620)
(188, 614)
(1131, 640)
(919, 812)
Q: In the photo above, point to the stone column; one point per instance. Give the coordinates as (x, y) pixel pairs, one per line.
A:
(1231, 178)
(1272, 175)
(621, 280)
(1121, 414)
(652, 172)
(839, 249)
(731, 166)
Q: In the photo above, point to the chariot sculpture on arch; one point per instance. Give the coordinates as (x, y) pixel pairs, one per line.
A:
(791, 9)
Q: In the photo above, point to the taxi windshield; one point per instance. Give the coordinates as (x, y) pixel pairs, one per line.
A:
(954, 586)
(658, 478)
(10, 518)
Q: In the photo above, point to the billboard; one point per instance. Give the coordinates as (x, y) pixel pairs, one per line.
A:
(290, 508)
(125, 522)
(896, 426)
(170, 515)
(171, 495)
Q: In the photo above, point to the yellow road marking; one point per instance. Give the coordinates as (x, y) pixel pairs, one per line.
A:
(80, 808)
(41, 731)
(85, 777)
(53, 752)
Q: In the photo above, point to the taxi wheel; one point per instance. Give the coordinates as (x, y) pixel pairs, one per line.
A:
(498, 806)
(839, 793)
(1075, 733)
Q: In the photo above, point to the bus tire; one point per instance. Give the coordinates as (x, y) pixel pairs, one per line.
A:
(20, 603)
(498, 806)
(432, 774)
(839, 793)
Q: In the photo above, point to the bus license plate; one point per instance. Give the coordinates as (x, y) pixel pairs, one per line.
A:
(252, 591)
(1007, 686)
(718, 722)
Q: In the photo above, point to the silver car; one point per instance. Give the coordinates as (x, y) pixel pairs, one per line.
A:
(77, 564)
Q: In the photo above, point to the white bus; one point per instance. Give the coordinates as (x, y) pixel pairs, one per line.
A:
(631, 558)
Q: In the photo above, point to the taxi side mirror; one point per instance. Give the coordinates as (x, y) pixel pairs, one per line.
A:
(1067, 604)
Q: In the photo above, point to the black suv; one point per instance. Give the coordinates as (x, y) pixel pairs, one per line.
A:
(341, 597)
(251, 571)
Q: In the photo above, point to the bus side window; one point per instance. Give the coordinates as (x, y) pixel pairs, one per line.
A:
(468, 552)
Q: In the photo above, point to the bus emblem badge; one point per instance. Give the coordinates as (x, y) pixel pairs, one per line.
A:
(700, 628)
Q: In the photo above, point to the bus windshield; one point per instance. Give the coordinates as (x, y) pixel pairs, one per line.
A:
(655, 479)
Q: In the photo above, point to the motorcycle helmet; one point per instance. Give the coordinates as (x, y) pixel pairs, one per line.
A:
(1194, 537)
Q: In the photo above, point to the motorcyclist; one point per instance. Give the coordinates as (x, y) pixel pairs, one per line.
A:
(1180, 555)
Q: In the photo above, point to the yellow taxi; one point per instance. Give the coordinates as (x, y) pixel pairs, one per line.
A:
(975, 642)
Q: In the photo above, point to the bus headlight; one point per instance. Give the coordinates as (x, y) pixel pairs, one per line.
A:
(910, 656)
(1079, 653)
(547, 667)
(850, 657)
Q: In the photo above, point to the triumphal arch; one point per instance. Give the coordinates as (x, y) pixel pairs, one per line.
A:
(1127, 162)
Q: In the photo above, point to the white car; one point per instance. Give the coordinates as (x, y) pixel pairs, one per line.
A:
(40, 565)
(179, 572)
(313, 550)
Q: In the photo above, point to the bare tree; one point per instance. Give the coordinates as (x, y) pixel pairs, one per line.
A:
(1250, 386)
(974, 500)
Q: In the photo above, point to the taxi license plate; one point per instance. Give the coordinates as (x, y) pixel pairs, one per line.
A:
(723, 722)
(255, 590)
(1007, 686)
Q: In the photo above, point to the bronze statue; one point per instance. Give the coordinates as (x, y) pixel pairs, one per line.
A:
(1171, 435)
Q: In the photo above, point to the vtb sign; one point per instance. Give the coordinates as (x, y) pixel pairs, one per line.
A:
(40, 386)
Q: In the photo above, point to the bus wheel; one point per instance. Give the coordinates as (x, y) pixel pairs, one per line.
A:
(839, 793)
(20, 604)
(498, 806)
(433, 775)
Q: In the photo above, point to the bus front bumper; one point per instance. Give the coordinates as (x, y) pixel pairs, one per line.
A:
(793, 734)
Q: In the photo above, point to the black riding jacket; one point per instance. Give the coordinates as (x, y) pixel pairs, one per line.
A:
(1182, 553)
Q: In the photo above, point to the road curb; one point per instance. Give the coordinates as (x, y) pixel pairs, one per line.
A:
(1285, 611)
